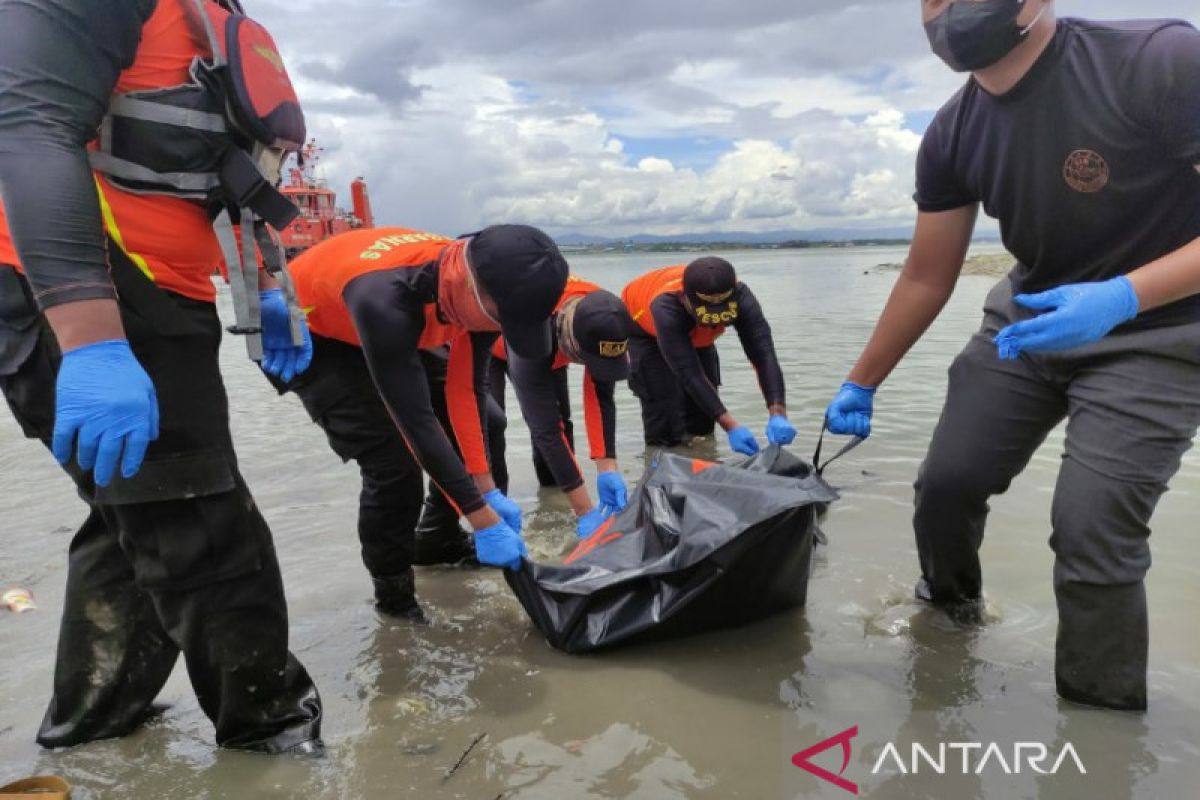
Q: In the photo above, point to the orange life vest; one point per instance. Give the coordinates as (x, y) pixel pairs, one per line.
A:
(642, 292)
(322, 272)
(170, 239)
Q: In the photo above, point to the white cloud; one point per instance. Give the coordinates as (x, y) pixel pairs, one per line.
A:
(656, 165)
(464, 112)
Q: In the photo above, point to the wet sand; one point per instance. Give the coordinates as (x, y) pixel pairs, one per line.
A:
(990, 265)
(715, 716)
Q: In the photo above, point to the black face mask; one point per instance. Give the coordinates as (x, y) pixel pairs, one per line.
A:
(970, 36)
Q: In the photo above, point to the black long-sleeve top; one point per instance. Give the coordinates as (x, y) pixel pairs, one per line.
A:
(388, 311)
(674, 324)
(533, 382)
(59, 62)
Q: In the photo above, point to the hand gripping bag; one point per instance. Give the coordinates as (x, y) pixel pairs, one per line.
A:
(701, 546)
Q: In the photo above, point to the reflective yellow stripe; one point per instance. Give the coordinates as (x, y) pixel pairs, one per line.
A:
(110, 222)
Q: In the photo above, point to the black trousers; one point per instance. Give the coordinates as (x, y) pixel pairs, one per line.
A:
(175, 559)
(497, 378)
(1132, 405)
(669, 415)
(339, 395)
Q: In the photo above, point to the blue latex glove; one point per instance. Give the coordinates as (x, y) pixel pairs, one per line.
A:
(281, 358)
(590, 522)
(1080, 313)
(106, 402)
(850, 412)
(509, 511)
(741, 440)
(500, 546)
(610, 487)
(780, 430)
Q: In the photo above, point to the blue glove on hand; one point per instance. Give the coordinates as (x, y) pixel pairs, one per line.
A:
(741, 440)
(500, 546)
(610, 487)
(850, 412)
(590, 522)
(107, 402)
(779, 430)
(281, 358)
(509, 511)
(1080, 313)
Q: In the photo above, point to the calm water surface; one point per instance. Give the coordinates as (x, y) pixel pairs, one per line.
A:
(716, 716)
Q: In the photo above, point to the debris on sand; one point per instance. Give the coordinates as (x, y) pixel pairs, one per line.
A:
(18, 600)
(463, 758)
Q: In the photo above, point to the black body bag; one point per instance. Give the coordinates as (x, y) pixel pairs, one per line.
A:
(701, 546)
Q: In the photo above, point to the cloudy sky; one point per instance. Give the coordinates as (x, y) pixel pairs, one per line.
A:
(626, 116)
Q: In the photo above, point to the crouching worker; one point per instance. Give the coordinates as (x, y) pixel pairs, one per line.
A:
(376, 299)
(679, 313)
(591, 327)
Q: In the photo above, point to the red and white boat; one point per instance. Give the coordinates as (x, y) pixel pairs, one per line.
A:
(320, 217)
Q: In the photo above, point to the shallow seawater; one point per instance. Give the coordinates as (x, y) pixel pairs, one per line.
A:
(714, 716)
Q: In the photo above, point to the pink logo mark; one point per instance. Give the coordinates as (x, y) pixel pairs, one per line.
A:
(802, 760)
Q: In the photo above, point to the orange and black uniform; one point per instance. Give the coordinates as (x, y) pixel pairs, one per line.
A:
(675, 370)
(178, 555)
(546, 406)
(393, 386)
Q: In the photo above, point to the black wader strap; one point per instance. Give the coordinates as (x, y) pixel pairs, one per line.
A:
(246, 187)
(853, 443)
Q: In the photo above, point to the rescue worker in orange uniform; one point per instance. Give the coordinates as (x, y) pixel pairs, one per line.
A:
(592, 328)
(680, 312)
(108, 355)
(376, 298)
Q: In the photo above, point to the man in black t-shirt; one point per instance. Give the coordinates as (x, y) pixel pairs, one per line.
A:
(1083, 139)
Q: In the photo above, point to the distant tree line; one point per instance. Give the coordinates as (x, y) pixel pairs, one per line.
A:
(677, 247)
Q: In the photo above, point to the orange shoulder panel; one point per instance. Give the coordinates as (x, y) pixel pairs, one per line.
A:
(322, 272)
(641, 292)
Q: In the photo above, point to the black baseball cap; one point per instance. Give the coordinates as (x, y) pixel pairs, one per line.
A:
(522, 269)
(709, 284)
(601, 326)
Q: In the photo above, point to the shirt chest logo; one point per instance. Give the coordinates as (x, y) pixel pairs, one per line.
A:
(1086, 171)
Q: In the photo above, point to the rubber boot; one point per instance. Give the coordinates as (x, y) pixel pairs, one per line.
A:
(962, 612)
(396, 596)
(1103, 645)
(113, 654)
(439, 538)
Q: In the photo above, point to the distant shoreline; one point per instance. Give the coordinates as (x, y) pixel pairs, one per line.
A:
(987, 264)
(687, 247)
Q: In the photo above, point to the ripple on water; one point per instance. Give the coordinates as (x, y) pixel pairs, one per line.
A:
(699, 718)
